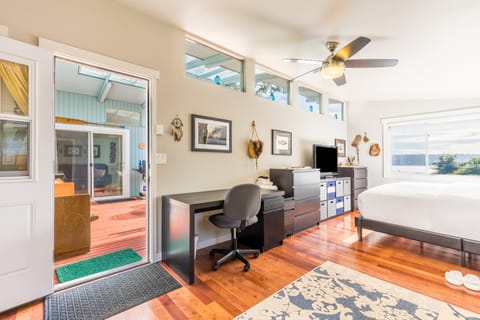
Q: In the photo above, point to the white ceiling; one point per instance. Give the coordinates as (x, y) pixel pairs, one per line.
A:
(436, 41)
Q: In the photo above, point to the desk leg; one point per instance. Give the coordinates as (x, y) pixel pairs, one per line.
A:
(178, 238)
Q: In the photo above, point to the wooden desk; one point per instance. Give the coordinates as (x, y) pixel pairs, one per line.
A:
(178, 226)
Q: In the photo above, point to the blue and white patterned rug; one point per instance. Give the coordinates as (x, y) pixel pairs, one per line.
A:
(334, 292)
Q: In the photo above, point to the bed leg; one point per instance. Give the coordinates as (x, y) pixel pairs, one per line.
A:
(463, 259)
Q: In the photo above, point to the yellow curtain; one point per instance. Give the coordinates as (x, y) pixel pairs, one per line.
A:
(15, 77)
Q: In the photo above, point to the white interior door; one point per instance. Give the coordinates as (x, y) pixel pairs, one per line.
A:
(26, 172)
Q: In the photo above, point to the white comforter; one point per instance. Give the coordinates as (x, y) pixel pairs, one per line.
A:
(452, 208)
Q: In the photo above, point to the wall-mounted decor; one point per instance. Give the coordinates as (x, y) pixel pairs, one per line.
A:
(340, 144)
(255, 145)
(211, 134)
(281, 142)
(374, 150)
(72, 151)
(176, 129)
(96, 151)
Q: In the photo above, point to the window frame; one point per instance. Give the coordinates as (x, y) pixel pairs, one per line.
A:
(219, 51)
(425, 118)
(275, 74)
(320, 96)
(22, 174)
(330, 99)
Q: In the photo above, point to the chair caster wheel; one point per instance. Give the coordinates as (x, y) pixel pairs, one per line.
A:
(255, 255)
(215, 267)
(211, 253)
(246, 268)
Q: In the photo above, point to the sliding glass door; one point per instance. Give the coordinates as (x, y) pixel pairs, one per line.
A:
(73, 159)
(94, 159)
(108, 164)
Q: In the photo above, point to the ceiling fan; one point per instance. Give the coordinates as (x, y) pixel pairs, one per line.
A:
(333, 67)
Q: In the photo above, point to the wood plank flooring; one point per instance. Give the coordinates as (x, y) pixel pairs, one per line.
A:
(229, 291)
(120, 225)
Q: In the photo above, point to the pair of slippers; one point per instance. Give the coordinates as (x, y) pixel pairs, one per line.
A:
(456, 278)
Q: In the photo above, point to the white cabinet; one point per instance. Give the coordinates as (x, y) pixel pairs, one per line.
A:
(335, 197)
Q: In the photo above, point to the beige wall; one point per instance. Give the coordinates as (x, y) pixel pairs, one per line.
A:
(107, 28)
(367, 117)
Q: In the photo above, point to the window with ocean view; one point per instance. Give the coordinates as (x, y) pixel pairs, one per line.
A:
(442, 143)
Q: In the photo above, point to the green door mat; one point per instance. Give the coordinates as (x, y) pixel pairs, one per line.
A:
(95, 265)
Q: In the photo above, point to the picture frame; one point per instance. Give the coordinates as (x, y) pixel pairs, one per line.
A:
(96, 151)
(211, 134)
(281, 142)
(340, 144)
(71, 150)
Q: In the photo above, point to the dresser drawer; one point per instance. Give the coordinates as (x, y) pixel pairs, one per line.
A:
(356, 192)
(302, 206)
(306, 191)
(306, 177)
(270, 204)
(307, 220)
(359, 173)
(360, 183)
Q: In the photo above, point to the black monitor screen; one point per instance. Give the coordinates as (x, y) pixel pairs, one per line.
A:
(325, 159)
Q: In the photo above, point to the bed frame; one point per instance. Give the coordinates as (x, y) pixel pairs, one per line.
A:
(444, 240)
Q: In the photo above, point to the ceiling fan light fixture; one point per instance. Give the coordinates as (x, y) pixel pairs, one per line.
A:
(332, 69)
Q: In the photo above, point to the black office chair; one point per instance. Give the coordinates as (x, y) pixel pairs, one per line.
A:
(240, 209)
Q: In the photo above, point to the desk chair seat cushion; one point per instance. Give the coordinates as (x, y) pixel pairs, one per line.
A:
(224, 222)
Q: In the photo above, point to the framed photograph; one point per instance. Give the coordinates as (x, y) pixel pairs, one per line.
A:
(281, 142)
(96, 151)
(340, 144)
(72, 151)
(211, 134)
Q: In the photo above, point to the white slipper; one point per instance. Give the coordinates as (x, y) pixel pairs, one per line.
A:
(454, 277)
(472, 282)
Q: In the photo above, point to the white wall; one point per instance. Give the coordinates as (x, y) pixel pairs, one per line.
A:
(367, 117)
(108, 28)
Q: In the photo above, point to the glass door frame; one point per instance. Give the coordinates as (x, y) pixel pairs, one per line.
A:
(125, 155)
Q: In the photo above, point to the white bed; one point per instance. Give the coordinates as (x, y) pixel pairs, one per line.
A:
(444, 214)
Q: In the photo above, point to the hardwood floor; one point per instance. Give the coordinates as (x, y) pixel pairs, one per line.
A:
(229, 291)
(118, 225)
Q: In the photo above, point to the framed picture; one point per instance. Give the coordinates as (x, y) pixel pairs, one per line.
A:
(96, 151)
(211, 134)
(340, 144)
(281, 142)
(72, 151)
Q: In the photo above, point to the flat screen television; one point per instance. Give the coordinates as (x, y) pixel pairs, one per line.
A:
(325, 159)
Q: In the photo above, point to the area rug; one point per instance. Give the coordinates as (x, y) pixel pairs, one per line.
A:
(331, 291)
(98, 264)
(105, 297)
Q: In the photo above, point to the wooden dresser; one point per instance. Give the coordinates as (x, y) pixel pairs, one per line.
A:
(359, 181)
(72, 226)
(303, 187)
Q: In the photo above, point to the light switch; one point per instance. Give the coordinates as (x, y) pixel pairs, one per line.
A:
(161, 158)
(159, 129)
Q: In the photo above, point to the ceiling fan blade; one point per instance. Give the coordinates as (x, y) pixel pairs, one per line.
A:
(340, 81)
(305, 73)
(351, 48)
(370, 63)
(307, 61)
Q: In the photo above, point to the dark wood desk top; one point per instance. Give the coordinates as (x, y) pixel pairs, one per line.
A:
(213, 198)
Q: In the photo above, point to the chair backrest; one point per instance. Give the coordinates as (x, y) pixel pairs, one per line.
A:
(242, 202)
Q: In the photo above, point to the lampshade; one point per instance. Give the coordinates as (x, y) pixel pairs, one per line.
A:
(332, 69)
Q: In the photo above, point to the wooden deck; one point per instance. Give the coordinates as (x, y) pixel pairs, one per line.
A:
(229, 291)
(120, 225)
